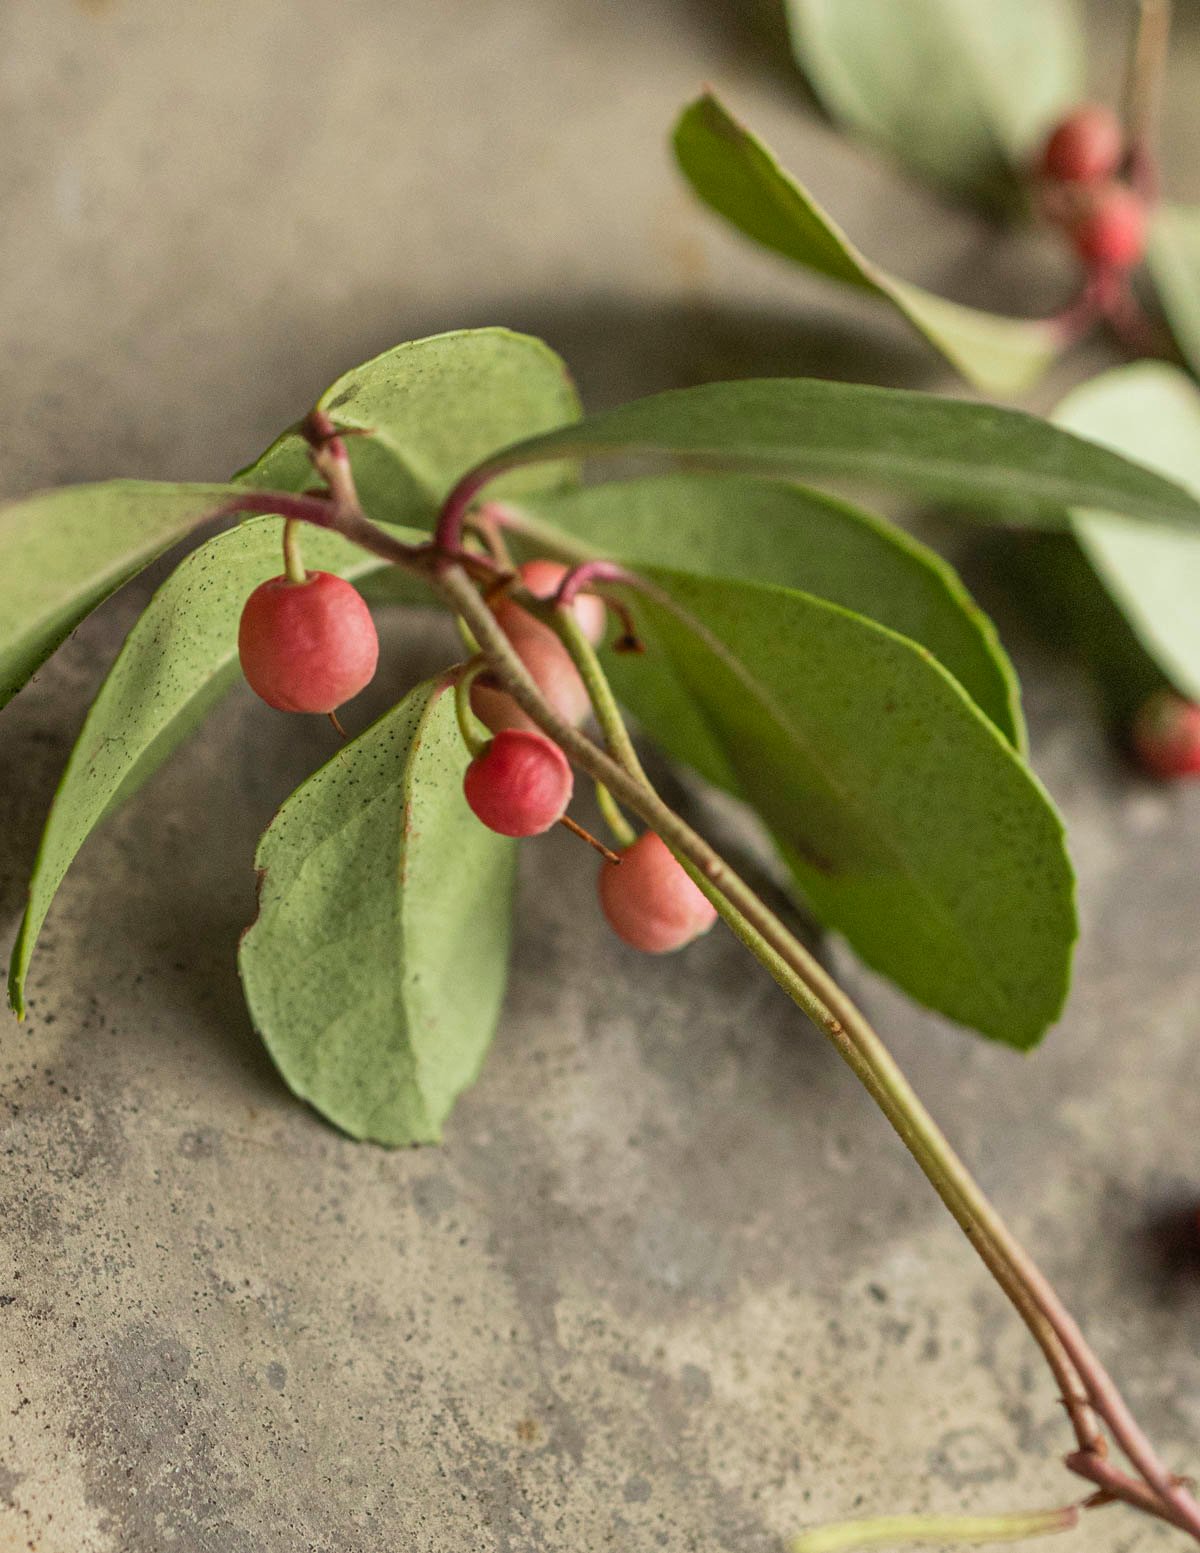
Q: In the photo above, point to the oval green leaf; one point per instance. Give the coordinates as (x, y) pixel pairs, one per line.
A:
(767, 531)
(974, 455)
(65, 551)
(1150, 411)
(433, 408)
(911, 826)
(376, 966)
(735, 174)
(177, 661)
(960, 91)
(1173, 257)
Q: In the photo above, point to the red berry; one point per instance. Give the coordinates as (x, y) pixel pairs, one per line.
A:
(1109, 232)
(519, 784)
(1085, 146)
(1166, 736)
(649, 900)
(307, 646)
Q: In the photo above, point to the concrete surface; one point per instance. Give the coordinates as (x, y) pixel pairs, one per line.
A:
(669, 1284)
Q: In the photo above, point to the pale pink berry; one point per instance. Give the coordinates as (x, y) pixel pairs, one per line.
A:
(519, 784)
(649, 900)
(307, 646)
(1109, 230)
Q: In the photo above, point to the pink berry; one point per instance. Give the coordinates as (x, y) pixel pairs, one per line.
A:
(542, 579)
(542, 652)
(1166, 736)
(307, 646)
(649, 900)
(519, 784)
(1085, 146)
(1109, 231)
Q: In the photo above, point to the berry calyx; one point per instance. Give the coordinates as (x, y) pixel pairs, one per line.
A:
(1085, 146)
(542, 652)
(519, 784)
(1108, 231)
(307, 646)
(1166, 736)
(649, 900)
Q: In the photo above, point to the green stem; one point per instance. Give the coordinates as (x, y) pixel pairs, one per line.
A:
(622, 831)
(818, 996)
(888, 1530)
(468, 724)
(293, 561)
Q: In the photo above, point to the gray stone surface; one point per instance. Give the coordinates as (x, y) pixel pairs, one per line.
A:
(669, 1284)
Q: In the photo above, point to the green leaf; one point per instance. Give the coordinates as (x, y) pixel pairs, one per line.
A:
(375, 969)
(766, 531)
(433, 407)
(1150, 411)
(958, 90)
(911, 825)
(177, 661)
(65, 551)
(739, 177)
(1173, 255)
(977, 455)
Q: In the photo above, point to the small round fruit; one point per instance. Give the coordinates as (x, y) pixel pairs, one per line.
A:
(1085, 146)
(1166, 736)
(307, 646)
(1110, 230)
(519, 784)
(649, 900)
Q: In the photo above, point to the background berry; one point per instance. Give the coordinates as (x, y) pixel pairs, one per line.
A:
(649, 900)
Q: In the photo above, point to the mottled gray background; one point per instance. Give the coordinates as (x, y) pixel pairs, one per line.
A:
(670, 1283)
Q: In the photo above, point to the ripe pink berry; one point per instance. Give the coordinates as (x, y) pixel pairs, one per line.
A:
(649, 900)
(1085, 146)
(1109, 232)
(519, 784)
(307, 646)
(1166, 736)
(543, 654)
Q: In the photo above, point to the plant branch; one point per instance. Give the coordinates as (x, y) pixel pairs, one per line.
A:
(888, 1530)
(814, 991)
(1143, 95)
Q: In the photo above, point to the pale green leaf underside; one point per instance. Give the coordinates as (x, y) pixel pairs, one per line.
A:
(739, 177)
(433, 407)
(1152, 412)
(767, 531)
(65, 551)
(375, 969)
(911, 825)
(1173, 256)
(976, 456)
(178, 659)
(958, 90)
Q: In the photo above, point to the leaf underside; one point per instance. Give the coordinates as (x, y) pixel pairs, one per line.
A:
(376, 966)
(1150, 411)
(957, 90)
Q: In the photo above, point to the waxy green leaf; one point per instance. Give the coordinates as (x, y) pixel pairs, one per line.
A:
(973, 455)
(433, 408)
(65, 551)
(1152, 412)
(178, 659)
(739, 177)
(767, 531)
(910, 824)
(375, 969)
(960, 91)
(1173, 256)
